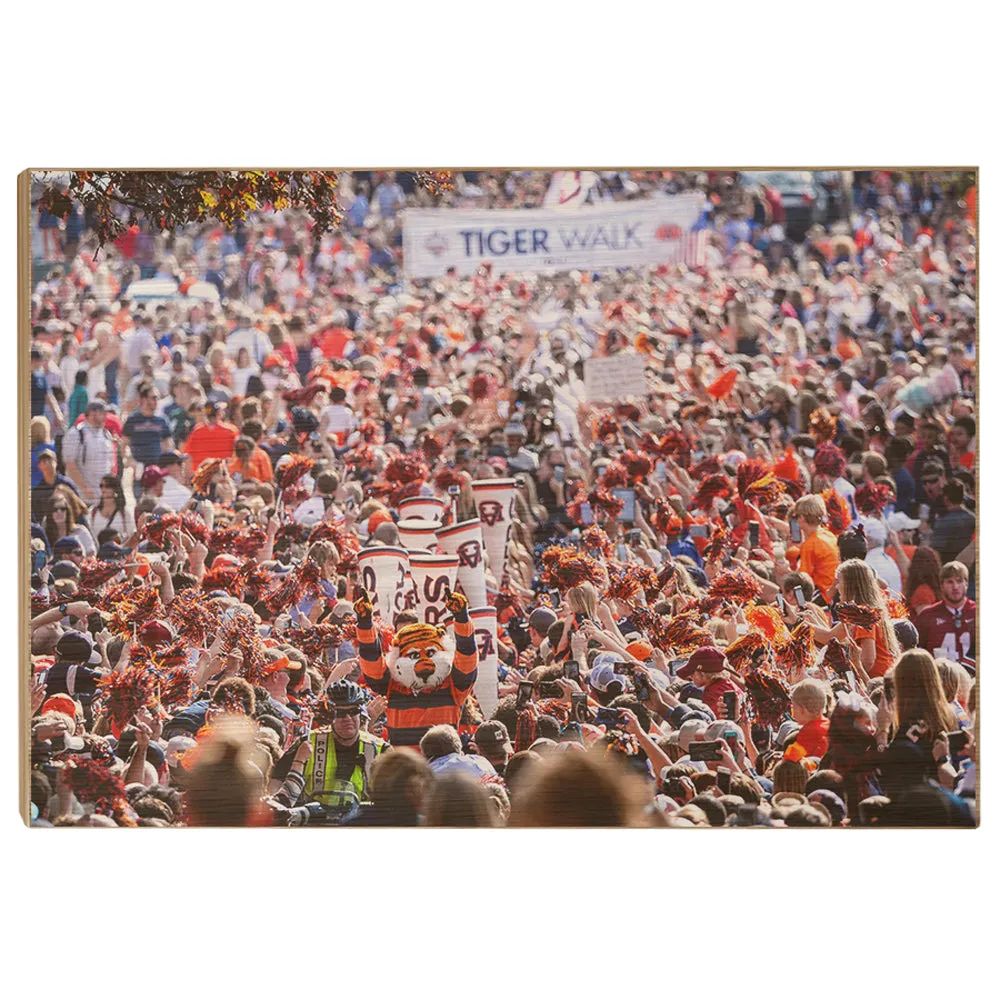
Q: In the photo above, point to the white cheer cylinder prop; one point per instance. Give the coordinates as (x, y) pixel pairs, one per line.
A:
(495, 506)
(415, 533)
(383, 574)
(424, 508)
(487, 685)
(433, 576)
(465, 540)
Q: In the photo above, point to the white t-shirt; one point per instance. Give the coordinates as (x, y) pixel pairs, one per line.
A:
(339, 419)
(886, 568)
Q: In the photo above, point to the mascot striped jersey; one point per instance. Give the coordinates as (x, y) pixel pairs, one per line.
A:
(427, 674)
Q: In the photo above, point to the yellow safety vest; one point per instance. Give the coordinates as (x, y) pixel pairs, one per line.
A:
(322, 783)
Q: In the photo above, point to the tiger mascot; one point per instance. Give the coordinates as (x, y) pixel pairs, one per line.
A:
(427, 674)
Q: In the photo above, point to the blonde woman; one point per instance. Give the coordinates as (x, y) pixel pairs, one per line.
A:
(878, 647)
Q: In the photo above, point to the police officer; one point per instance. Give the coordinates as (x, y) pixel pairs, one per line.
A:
(332, 766)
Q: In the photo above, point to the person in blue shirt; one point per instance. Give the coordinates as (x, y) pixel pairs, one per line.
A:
(147, 433)
(684, 546)
(358, 211)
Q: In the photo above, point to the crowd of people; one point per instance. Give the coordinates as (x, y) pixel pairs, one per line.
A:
(744, 597)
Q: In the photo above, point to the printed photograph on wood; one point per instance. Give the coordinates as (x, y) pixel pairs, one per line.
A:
(500, 498)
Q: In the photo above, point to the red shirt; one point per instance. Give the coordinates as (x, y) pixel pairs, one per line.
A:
(954, 632)
(812, 740)
(210, 441)
(713, 693)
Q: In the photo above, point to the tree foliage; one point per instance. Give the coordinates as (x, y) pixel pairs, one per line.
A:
(117, 199)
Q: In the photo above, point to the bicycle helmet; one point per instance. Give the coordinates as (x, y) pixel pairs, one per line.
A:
(344, 693)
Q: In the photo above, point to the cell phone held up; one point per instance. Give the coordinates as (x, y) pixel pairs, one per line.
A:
(525, 690)
(796, 531)
(710, 750)
(723, 778)
(754, 532)
(578, 706)
(729, 704)
(571, 671)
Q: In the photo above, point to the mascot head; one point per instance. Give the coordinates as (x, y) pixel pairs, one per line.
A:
(420, 657)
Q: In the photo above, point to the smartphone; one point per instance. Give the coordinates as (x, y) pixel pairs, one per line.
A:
(621, 553)
(709, 750)
(610, 717)
(555, 599)
(754, 534)
(800, 598)
(95, 623)
(578, 706)
(634, 536)
(628, 511)
(525, 690)
(453, 491)
(37, 560)
(559, 474)
(796, 531)
(676, 665)
(641, 683)
(729, 703)
(661, 471)
(586, 513)
(780, 601)
(731, 521)
(924, 512)
(733, 742)
(723, 778)
(698, 531)
(571, 670)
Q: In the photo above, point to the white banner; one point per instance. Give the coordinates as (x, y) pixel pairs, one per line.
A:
(614, 378)
(520, 241)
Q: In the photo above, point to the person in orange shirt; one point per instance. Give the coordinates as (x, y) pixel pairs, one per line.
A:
(250, 461)
(214, 438)
(818, 553)
(878, 646)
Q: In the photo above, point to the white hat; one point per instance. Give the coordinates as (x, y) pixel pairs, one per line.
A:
(899, 521)
(875, 530)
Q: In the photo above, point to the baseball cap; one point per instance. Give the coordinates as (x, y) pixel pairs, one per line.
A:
(603, 676)
(77, 647)
(690, 731)
(707, 659)
(177, 746)
(97, 404)
(65, 570)
(516, 427)
(152, 475)
(541, 620)
(493, 736)
(68, 543)
(109, 551)
(60, 703)
(900, 358)
(156, 633)
(899, 521)
(47, 453)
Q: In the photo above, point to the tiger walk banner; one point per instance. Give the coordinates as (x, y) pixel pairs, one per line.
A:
(544, 240)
